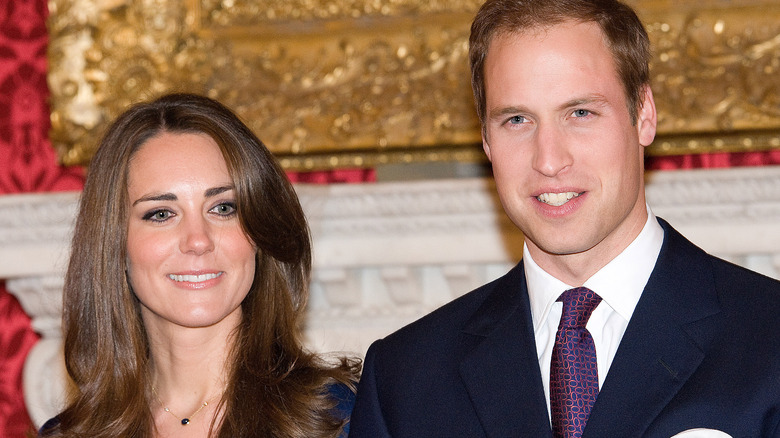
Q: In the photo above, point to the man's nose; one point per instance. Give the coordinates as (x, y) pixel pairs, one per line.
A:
(551, 151)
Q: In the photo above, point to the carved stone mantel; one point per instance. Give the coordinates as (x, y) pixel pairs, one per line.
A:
(387, 253)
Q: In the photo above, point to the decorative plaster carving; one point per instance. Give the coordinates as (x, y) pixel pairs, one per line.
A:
(454, 207)
(701, 197)
(35, 233)
(32, 219)
(44, 381)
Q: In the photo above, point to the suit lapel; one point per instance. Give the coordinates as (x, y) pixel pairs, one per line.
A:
(502, 373)
(676, 319)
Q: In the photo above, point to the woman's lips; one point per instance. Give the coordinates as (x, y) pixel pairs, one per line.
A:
(194, 278)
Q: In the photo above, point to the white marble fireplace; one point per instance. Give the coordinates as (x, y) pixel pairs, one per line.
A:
(387, 253)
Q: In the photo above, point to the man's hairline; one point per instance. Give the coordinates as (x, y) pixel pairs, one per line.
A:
(505, 31)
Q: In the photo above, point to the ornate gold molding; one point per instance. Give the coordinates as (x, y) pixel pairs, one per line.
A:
(341, 83)
(716, 75)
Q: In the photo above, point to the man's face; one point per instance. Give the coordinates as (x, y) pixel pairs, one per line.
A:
(567, 160)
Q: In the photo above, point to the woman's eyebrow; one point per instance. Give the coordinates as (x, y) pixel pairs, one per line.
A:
(156, 197)
(214, 191)
(209, 193)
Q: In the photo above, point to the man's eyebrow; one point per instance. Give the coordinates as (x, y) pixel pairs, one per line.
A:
(590, 99)
(505, 111)
(156, 197)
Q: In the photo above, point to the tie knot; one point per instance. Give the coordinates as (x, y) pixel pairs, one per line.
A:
(578, 304)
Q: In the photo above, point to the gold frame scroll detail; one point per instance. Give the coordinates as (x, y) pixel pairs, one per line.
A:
(357, 83)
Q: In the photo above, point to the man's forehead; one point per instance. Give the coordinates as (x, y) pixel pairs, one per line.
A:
(540, 30)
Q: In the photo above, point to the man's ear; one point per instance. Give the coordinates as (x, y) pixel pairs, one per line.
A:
(647, 118)
(486, 145)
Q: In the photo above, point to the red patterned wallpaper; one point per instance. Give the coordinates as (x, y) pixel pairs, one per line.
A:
(712, 161)
(28, 163)
(16, 340)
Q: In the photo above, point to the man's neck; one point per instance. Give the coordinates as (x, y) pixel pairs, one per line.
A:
(576, 268)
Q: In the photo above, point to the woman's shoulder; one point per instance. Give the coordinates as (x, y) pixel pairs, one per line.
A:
(344, 397)
(48, 426)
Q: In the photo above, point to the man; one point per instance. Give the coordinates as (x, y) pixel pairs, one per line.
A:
(613, 325)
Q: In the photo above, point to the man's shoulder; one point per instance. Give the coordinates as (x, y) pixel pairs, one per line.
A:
(743, 290)
(725, 272)
(740, 276)
(445, 323)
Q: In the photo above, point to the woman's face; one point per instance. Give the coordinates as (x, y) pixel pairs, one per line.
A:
(189, 262)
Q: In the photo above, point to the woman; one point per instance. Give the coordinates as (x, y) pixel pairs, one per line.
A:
(186, 285)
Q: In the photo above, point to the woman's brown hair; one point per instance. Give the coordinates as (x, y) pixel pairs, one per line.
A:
(625, 35)
(275, 387)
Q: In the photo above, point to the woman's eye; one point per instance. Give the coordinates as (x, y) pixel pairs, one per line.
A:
(157, 215)
(224, 209)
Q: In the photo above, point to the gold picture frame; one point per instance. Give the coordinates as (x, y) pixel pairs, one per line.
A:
(356, 83)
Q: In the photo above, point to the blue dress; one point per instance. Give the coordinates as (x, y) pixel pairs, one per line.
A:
(339, 392)
(346, 401)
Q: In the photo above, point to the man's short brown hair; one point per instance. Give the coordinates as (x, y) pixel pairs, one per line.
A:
(626, 37)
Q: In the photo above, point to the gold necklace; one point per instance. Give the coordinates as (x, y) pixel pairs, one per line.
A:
(184, 421)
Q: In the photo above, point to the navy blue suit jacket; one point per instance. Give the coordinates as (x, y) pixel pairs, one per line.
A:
(702, 350)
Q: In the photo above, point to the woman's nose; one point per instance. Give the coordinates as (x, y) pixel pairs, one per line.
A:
(197, 236)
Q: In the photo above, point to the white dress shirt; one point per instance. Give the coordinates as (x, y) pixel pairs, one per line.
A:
(619, 284)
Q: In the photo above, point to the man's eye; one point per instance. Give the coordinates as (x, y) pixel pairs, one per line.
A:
(225, 209)
(517, 120)
(581, 113)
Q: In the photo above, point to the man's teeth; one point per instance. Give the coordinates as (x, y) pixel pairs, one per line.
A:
(194, 278)
(557, 199)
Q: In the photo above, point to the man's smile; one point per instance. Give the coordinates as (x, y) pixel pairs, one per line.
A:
(557, 199)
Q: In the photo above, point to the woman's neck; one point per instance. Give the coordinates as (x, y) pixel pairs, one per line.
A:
(188, 367)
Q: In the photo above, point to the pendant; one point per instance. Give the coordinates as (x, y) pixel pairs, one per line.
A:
(185, 421)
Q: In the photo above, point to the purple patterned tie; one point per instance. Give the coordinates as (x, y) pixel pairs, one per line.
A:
(574, 377)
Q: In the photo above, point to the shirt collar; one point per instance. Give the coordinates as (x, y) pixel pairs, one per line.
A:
(619, 283)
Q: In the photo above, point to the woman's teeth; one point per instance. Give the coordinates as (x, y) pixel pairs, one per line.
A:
(194, 278)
